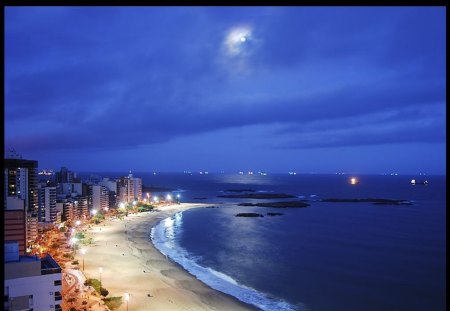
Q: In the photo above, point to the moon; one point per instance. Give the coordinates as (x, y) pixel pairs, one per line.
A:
(235, 39)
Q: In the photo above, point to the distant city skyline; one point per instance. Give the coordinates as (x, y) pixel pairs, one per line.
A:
(359, 90)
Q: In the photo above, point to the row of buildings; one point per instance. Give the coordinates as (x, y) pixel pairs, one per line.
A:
(43, 201)
(33, 202)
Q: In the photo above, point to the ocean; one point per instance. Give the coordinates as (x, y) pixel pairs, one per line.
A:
(325, 257)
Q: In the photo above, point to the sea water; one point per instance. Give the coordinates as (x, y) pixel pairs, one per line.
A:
(325, 257)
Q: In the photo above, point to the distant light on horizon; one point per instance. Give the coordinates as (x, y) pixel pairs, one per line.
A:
(353, 180)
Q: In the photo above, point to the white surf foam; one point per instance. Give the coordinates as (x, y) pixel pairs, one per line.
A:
(163, 237)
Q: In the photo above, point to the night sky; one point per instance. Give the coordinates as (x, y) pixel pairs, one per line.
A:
(275, 89)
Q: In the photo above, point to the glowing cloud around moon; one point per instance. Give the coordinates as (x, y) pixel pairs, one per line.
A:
(236, 39)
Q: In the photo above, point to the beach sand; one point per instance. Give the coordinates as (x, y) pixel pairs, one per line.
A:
(124, 251)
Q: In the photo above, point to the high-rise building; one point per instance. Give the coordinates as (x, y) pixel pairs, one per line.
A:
(129, 188)
(138, 188)
(125, 186)
(21, 181)
(110, 184)
(31, 283)
(98, 197)
(70, 189)
(68, 212)
(47, 204)
(112, 196)
(81, 207)
(65, 176)
(32, 228)
(15, 226)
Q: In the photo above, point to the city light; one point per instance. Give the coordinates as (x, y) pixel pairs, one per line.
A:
(134, 202)
(83, 251)
(178, 196)
(169, 197)
(353, 181)
(94, 212)
(77, 223)
(121, 205)
(127, 298)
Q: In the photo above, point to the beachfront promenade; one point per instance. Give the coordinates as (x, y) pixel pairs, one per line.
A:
(125, 261)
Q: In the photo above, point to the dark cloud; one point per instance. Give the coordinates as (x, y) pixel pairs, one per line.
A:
(123, 77)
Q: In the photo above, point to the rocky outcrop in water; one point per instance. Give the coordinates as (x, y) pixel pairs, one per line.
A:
(257, 196)
(249, 215)
(296, 204)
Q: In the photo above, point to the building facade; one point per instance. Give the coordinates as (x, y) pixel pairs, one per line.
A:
(129, 189)
(15, 228)
(65, 176)
(98, 198)
(47, 204)
(81, 207)
(32, 229)
(31, 283)
(20, 180)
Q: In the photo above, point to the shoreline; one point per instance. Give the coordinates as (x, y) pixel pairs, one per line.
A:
(131, 263)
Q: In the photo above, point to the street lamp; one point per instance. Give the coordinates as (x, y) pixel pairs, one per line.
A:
(100, 270)
(83, 251)
(94, 212)
(127, 297)
(77, 223)
(74, 242)
(169, 197)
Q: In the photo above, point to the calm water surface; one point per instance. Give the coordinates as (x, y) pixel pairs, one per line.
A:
(328, 256)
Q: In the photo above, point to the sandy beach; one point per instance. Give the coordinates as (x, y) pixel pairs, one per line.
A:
(131, 264)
